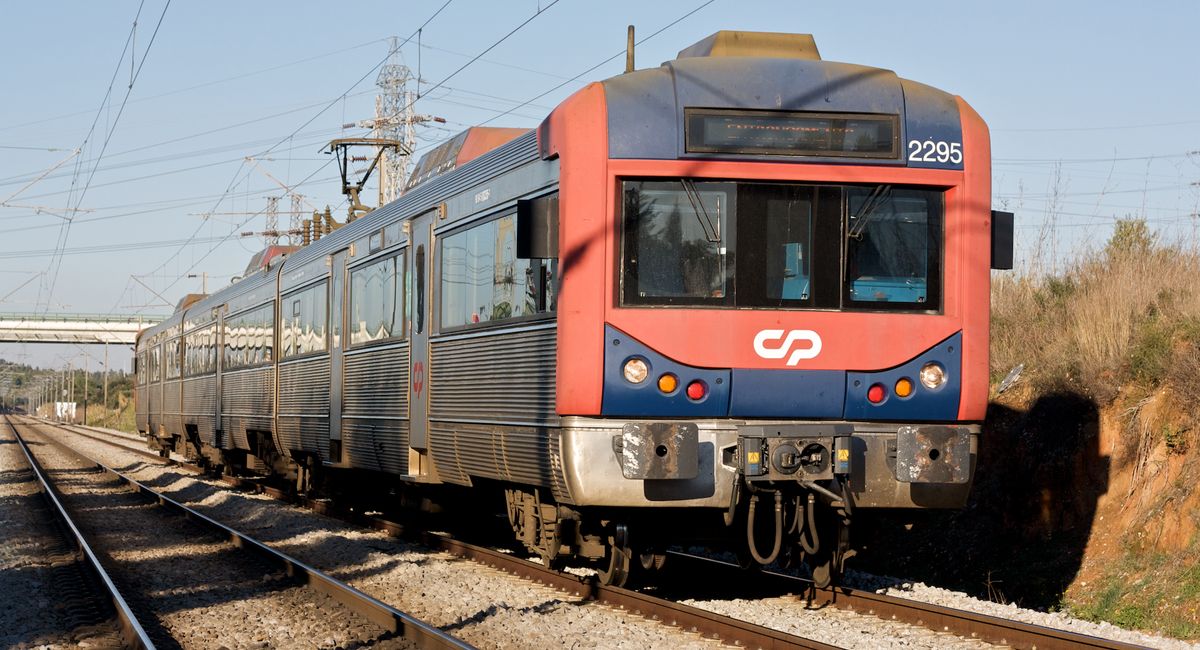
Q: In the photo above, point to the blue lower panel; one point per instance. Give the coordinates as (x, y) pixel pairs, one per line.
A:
(622, 398)
(936, 405)
(788, 393)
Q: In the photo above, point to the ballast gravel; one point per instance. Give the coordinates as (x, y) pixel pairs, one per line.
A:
(190, 587)
(491, 609)
(958, 600)
(46, 599)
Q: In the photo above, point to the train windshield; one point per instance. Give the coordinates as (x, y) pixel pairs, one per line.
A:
(781, 245)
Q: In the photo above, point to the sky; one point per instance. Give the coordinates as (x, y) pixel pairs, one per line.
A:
(123, 147)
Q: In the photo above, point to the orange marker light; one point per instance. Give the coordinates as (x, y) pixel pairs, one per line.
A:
(668, 383)
(904, 387)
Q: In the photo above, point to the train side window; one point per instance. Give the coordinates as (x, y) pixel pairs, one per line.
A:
(249, 337)
(200, 352)
(173, 358)
(306, 329)
(484, 280)
(155, 364)
(377, 301)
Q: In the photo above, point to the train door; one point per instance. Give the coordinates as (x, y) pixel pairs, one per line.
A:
(219, 342)
(421, 276)
(337, 321)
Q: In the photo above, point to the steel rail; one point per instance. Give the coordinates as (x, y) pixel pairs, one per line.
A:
(111, 440)
(967, 624)
(132, 632)
(370, 608)
(692, 619)
(964, 623)
(985, 627)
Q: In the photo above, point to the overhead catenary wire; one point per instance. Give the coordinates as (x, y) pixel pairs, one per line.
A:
(242, 165)
(598, 65)
(205, 84)
(112, 129)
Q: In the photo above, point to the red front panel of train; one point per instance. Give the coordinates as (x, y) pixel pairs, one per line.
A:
(662, 266)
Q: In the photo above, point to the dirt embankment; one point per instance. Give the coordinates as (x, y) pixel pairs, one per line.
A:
(1093, 509)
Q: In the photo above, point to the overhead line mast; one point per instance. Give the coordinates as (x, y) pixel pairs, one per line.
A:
(395, 120)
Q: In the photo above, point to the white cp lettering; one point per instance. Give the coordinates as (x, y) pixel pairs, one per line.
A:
(812, 338)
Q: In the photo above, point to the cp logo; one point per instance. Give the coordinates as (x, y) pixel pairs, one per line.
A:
(418, 377)
(781, 350)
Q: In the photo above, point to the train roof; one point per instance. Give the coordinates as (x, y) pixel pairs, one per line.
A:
(460, 150)
(520, 150)
(763, 71)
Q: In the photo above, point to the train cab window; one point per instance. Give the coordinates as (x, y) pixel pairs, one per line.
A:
(483, 280)
(781, 245)
(893, 247)
(304, 321)
(377, 301)
(678, 242)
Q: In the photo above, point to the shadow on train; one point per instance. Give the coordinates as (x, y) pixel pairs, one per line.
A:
(1022, 536)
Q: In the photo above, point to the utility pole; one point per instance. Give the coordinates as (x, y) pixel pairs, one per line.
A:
(203, 289)
(105, 411)
(85, 387)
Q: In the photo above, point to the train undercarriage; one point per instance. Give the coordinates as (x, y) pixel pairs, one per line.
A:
(792, 501)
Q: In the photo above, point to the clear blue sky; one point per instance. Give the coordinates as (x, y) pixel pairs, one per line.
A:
(1092, 108)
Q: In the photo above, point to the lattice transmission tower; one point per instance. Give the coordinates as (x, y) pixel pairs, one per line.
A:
(395, 119)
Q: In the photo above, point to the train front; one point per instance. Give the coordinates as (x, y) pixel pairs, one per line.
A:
(774, 297)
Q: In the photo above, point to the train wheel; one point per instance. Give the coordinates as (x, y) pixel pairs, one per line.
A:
(619, 562)
(651, 560)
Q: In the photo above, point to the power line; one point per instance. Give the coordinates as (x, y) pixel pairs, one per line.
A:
(103, 248)
(204, 84)
(132, 80)
(1076, 129)
(489, 48)
(233, 181)
(172, 172)
(9, 146)
(1054, 161)
(145, 161)
(593, 68)
(175, 206)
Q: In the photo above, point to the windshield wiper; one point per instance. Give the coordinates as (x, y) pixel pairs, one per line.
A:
(712, 232)
(878, 196)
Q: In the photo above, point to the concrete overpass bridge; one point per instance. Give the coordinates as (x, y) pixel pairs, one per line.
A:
(72, 328)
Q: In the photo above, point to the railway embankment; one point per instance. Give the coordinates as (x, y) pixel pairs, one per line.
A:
(1088, 494)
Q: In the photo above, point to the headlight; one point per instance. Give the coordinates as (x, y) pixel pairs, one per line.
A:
(932, 375)
(635, 370)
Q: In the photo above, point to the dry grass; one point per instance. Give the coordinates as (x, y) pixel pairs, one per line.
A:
(1127, 314)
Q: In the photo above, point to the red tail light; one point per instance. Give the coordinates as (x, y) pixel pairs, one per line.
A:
(876, 393)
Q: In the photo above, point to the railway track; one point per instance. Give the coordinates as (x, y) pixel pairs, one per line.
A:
(212, 586)
(728, 630)
(77, 581)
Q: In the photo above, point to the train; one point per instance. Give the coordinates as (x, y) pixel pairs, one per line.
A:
(740, 298)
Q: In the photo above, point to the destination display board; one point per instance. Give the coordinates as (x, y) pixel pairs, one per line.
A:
(784, 133)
